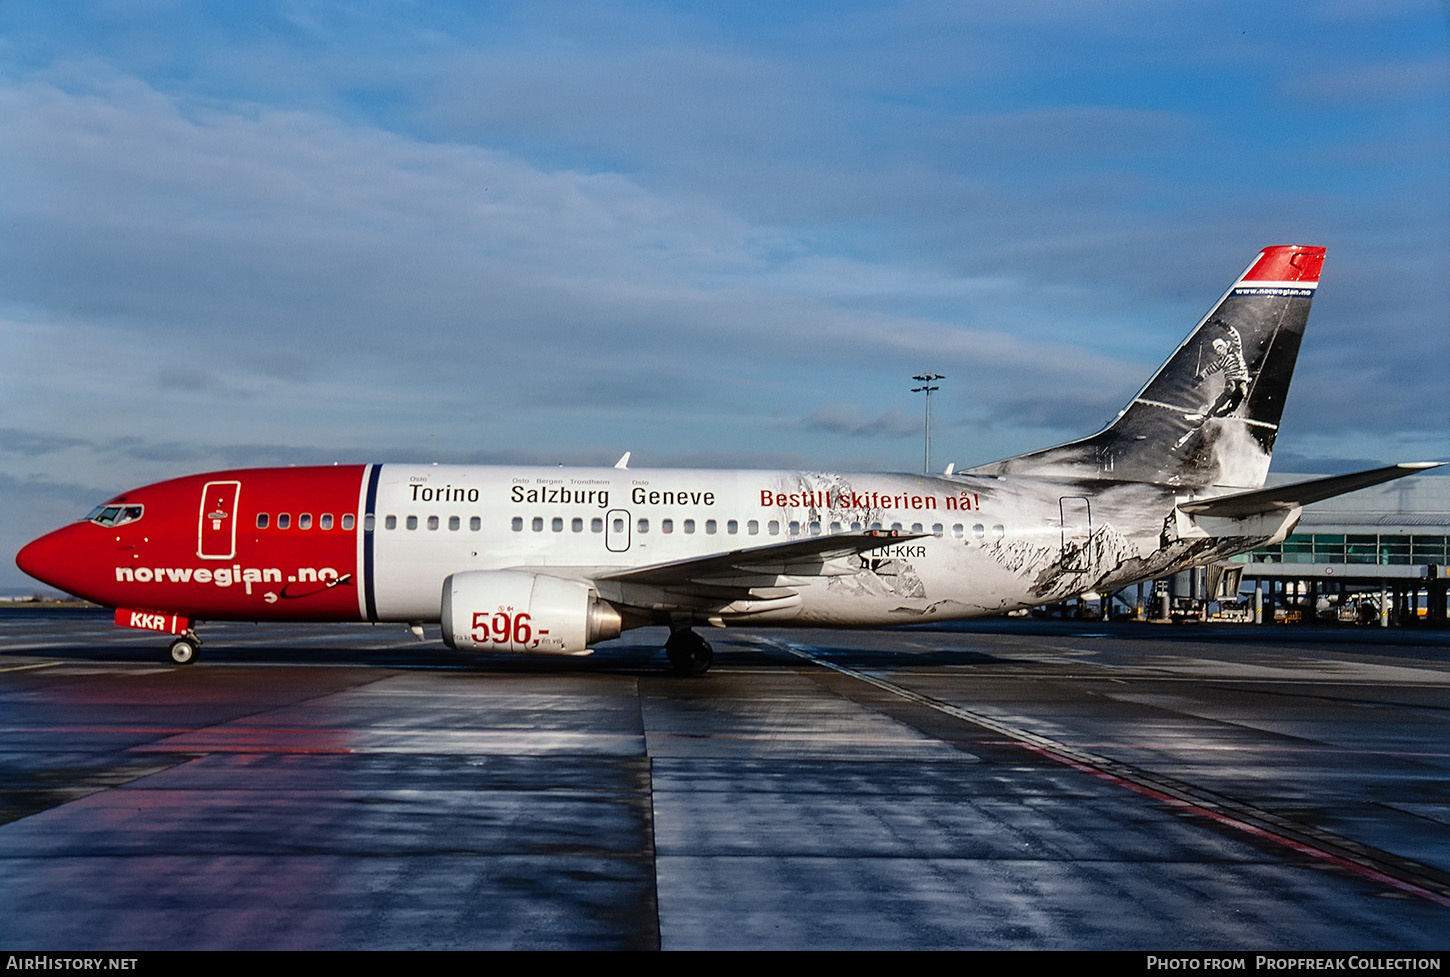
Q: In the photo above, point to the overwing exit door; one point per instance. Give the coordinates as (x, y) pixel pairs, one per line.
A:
(616, 530)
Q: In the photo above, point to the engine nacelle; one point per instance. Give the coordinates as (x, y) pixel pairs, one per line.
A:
(515, 611)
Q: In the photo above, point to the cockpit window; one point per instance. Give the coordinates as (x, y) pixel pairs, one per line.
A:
(114, 515)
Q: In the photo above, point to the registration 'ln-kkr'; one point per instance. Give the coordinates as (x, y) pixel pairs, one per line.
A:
(552, 560)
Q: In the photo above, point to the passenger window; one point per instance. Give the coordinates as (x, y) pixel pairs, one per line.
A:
(412, 522)
(454, 524)
(689, 525)
(538, 524)
(390, 522)
(642, 525)
(815, 527)
(432, 522)
(795, 527)
(835, 528)
(710, 527)
(557, 524)
(773, 527)
(576, 525)
(958, 530)
(979, 530)
(283, 520)
(368, 522)
(732, 527)
(618, 525)
(896, 527)
(262, 520)
(998, 531)
(517, 524)
(348, 522)
(753, 527)
(596, 525)
(325, 520)
(667, 526)
(937, 530)
(475, 523)
(304, 521)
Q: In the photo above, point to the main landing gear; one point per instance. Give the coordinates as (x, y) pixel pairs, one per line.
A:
(183, 649)
(689, 654)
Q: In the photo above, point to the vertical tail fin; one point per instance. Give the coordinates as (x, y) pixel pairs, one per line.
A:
(1210, 414)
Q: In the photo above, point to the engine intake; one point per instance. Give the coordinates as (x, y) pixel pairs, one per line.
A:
(519, 612)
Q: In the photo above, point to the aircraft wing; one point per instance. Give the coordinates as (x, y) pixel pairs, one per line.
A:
(1283, 497)
(798, 557)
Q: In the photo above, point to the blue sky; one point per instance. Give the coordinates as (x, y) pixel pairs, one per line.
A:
(709, 234)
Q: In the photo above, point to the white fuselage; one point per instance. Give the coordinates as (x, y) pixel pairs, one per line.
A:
(990, 544)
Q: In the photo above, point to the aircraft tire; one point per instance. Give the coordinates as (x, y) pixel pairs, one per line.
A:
(183, 651)
(689, 654)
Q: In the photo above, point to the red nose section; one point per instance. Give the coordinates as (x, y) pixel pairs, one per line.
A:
(57, 558)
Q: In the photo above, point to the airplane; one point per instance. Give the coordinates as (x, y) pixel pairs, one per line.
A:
(551, 561)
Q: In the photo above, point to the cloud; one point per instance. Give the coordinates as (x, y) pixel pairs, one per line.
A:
(31, 443)
(846, 419)
(711, 234)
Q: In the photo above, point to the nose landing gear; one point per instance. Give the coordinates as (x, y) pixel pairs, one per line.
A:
(183, 649)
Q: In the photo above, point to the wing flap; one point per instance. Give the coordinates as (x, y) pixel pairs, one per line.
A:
(758, 564)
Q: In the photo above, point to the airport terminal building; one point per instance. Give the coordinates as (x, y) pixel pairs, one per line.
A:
(1378, 555)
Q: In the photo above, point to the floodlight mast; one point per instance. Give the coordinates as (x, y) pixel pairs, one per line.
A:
(925, 379)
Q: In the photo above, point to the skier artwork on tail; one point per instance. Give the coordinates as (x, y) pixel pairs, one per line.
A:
(553, 560)
(1228, 359)
(1209, 417)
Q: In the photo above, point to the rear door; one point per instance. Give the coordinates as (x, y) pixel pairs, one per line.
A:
(1077, 531)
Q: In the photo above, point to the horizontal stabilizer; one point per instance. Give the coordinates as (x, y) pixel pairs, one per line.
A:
(1243, 504)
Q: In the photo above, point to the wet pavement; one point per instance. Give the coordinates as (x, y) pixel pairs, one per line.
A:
(999, 785)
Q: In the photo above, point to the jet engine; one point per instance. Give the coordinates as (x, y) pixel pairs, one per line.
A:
(515, 611)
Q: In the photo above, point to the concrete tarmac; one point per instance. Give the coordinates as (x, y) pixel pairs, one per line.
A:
(1004, 785)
